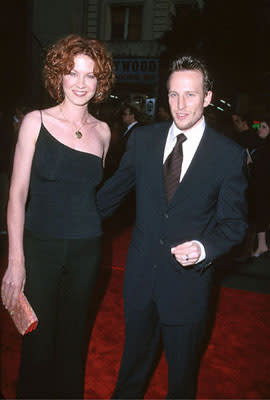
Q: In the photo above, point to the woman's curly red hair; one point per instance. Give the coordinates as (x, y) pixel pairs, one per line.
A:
(60, 61)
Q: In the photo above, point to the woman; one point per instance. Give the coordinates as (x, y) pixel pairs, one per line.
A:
(260, 193)
(54, 247)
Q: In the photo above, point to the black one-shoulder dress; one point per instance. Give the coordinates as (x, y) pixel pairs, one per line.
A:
(62, 245)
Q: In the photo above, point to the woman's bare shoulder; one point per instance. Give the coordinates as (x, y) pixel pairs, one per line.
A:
(105, 132)
(32, 116)
(101, 126)
(36, 117)
(51, 111)
(30, 126)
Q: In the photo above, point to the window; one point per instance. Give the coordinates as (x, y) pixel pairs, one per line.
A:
(126, 22)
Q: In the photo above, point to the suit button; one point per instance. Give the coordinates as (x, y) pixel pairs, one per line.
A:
(166, 215)
(161, 242)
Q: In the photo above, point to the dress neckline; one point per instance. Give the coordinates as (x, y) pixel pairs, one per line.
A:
(66, 146)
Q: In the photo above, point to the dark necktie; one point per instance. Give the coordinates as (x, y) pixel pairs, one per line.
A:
(172, 167)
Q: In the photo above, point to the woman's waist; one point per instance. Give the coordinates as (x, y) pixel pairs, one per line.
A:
(64, 224)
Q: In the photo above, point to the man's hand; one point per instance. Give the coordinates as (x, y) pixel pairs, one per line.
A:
(187, 253)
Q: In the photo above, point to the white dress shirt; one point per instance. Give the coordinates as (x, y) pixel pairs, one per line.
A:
(189, 146)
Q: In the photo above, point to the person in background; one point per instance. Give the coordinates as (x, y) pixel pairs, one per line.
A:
(54, 247)
(130, 118)
(246, 137)
(190, 185)
(259, 188)
(163, 113)
(243, 133)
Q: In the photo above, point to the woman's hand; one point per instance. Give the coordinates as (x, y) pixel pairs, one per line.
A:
(12, 284)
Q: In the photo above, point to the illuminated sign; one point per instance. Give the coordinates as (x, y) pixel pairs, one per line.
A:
(136, 70)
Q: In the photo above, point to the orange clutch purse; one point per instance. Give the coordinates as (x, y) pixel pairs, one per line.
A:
(24, 316)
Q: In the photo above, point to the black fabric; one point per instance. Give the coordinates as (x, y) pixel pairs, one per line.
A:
(183, 345)
(173, 166)
(60, 276)
(62, 191)
(143, 335)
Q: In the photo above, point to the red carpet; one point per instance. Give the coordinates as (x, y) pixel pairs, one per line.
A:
(235, 365)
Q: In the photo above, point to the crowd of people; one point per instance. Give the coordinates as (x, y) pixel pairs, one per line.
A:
(188, 183)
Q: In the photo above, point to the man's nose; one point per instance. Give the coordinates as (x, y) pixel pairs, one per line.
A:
(181, 102)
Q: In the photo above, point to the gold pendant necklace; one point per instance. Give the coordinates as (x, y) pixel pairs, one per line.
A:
(78, 134)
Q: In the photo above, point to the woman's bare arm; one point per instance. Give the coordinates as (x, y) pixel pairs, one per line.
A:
(14, 278)
(106, 135)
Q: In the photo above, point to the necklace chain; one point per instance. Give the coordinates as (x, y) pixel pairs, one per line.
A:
(78, 132)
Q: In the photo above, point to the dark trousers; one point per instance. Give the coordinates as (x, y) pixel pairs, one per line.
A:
(182, 344)
(60, 276)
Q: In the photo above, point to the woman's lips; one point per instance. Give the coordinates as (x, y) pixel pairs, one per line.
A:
(79, 93)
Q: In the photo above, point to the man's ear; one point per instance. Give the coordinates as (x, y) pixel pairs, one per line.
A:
(207, 98)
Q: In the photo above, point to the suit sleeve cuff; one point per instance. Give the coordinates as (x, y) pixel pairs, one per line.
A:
(203, 255)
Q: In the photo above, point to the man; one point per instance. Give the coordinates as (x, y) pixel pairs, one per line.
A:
(177, 236)
(163, 113)
(130, 116)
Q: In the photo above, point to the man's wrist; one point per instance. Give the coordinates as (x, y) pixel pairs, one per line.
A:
(203, 254)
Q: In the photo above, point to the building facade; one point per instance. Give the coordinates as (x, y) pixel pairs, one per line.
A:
(132, 29)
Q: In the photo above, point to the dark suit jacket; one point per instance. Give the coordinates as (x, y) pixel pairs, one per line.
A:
(209, 205)
(116, 153)
(124, 138)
